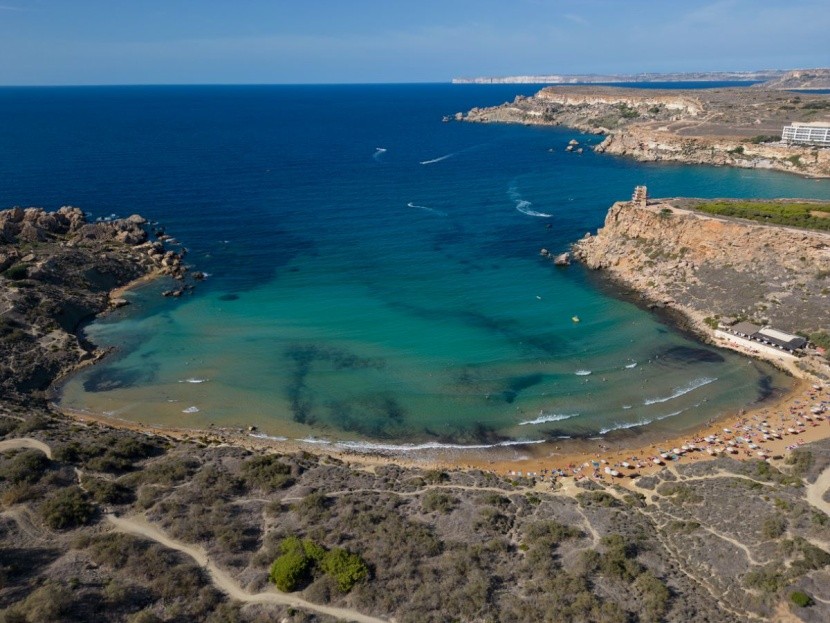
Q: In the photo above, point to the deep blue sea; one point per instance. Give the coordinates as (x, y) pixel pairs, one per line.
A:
(374, 273)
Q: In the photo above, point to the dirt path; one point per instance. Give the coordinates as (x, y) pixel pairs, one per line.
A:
(25, 442)
(816, 491)
(139, 526)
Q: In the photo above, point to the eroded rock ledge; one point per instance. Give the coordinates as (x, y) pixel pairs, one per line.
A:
(714, 267)
(56, 270)
(723, 127)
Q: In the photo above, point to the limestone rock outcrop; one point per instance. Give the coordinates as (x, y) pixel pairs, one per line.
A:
(49, 289)
(712, 266)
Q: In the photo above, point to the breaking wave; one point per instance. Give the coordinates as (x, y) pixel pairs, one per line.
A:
(191, 410)
(643, 422)
(193, 381)
(582, 372)
(544, 418)
(268, 437)
(366, 446)
(693, 385)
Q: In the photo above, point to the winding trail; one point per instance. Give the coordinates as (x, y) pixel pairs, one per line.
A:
(139, 526)
(28, 443)
(815, 492)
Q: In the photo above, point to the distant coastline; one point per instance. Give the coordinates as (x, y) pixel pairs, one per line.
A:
(697, 76)
(770, 78)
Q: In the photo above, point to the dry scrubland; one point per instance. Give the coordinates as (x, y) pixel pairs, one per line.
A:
(714, 541)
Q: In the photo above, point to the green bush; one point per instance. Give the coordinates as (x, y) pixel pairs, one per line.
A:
(800, 599)
(49, 603)
(17, 272)
(300, 558)
(345, 568)
(764, 138)
(438, 501)
(774, 526)
(267, 472)
(792, 214)
(801, 461)
(67, 508)
(26, 467)
(108, 492)
(295, 564)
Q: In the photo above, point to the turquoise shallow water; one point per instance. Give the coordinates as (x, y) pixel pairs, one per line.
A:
(374, 272)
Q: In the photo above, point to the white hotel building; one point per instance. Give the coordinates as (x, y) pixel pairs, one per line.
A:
(815, 133)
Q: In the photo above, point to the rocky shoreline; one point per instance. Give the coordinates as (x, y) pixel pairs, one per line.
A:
(57, 271)
(702, 270)
(738, 127)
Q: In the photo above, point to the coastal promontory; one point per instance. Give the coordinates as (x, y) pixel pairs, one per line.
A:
(56, 271)
(701, 258)
(739, 127)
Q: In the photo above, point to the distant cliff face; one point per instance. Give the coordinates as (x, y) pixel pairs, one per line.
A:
(707, 266)
(650, 145)
(622, 97)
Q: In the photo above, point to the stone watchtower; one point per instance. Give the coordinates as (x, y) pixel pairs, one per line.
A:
(640, 196)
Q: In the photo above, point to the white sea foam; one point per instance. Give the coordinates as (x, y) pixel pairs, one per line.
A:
(524, 207)
(193, 380)
(643, 422)
(268, 437)
(426, 208)
(633, 364)
(366, 446)
(191, 410)
(582, 372)
(626, 406)
(680, 391)
(439, 159)
(544, 418)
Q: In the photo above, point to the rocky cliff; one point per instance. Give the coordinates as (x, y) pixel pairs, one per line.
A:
(707, 266)
(723, 127)
(56, 270)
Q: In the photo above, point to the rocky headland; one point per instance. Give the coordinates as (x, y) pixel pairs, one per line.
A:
(56, 271)
(715, 269)
(802, 79)
(723, 127)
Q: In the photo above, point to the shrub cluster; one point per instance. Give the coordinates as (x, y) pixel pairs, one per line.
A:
(779, 213)
(112, 453)
(302, 557)
(267, 472)
(67, 508)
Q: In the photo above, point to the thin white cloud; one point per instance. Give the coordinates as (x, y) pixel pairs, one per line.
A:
(577, 19)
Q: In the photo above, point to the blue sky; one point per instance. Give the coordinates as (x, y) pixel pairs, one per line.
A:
(324, 41)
